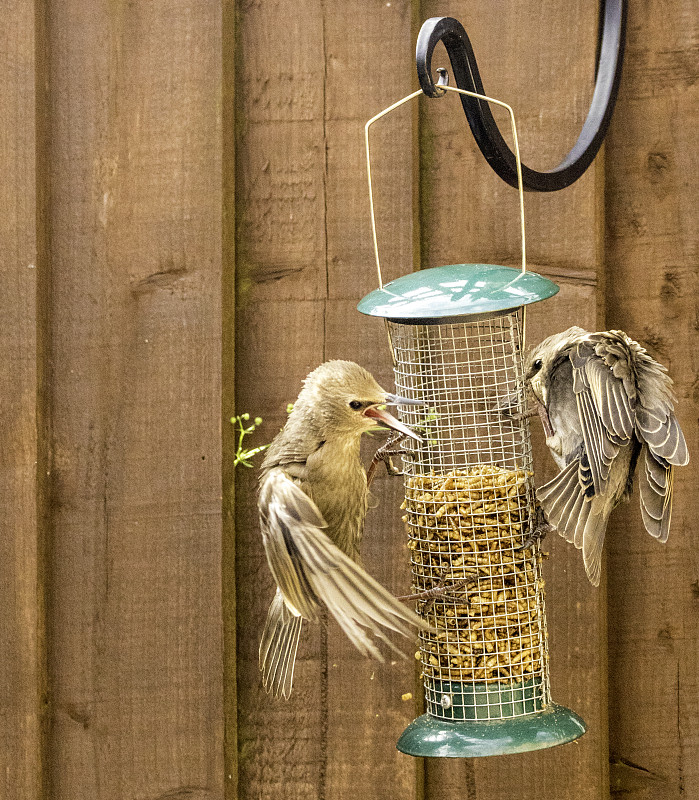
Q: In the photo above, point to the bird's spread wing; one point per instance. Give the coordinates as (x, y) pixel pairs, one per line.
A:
(622, 393)
(563, 501)
(309, 568)
(649, 389)
(286, 516)
(576, 501)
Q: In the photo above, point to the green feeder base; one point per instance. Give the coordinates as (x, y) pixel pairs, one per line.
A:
(431, 737)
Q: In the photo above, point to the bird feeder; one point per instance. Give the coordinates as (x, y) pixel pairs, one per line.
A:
(457, 338)
(456, 333)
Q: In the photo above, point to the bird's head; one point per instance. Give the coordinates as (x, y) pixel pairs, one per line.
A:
(545, 357)
(343, 399)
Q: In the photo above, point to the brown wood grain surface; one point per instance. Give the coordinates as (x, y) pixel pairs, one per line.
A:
(304, 260)
(186, 234)
(280, 291)
(135, 644)
(22, 450)
(652, 193)
(542, 63)
(229, 437)
(368, 70)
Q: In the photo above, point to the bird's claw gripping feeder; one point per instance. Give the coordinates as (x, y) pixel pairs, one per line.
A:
(456, 335)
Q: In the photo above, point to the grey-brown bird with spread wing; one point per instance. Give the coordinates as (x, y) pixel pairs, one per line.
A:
(312, 503)
(605, 405)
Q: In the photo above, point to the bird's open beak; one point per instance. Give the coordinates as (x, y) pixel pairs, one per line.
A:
(397, 400)
(388, 420)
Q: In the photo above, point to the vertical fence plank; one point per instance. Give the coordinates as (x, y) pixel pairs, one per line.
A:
(280, 306)
(370, 64)
(532, 60)
(22, 467)
(228, 439)
(302, 265)
(135, 604)
(652, 168)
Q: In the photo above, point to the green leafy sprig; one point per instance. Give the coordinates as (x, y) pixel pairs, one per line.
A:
(243, 455)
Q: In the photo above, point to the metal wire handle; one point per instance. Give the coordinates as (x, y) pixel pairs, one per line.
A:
(443, 87)
(463, 61)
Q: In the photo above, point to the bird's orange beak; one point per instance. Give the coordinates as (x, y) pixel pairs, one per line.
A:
(389, 421)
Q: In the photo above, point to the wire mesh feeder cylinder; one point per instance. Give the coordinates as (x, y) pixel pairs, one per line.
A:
(469, 507)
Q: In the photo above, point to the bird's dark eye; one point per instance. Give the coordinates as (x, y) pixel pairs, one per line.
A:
(355, 404)
(536, 366)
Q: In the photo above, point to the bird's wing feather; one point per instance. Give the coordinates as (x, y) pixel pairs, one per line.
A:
(610, 385)
(655, 489)
(599, 448)
(286, 515)
(648, 388)
(593, 543)
(661, 431)
(308, 567)
(656, 472)
(605, 399)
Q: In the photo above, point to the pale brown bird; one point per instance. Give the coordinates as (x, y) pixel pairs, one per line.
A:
(312, 503)
(604, 404)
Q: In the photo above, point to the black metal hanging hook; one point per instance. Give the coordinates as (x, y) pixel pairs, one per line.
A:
(485, 130)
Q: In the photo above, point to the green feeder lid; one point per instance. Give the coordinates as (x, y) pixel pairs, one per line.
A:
(456, 292)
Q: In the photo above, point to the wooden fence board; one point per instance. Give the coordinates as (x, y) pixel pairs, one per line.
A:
(279, 742)
(302, 265)
(135, 603)
(22, 464)
(370, 65)
(652, 169)
(280, 289)
(229, 438)
(532, 61)
(186, 231)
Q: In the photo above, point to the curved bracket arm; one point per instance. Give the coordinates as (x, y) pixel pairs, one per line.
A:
(485, 130)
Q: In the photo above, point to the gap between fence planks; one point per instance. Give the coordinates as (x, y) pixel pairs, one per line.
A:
(117, 340)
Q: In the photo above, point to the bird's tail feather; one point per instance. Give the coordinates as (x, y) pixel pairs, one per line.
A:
(576, 517)
(563, 501)
(280, 640)
(593, 542)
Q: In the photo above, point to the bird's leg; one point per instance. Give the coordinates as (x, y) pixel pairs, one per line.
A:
(538, 528)
(391, 447)
(528, 413)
